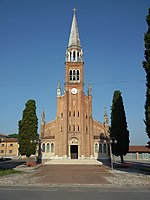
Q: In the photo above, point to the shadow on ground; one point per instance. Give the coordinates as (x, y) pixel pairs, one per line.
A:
(142, 167)
(10, 164)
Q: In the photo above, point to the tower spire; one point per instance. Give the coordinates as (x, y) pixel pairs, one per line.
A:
(43, 116)
(105, 117)
(74, 52)
(74, 40)
(58, 90)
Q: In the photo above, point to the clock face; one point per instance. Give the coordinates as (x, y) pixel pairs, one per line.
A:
(74, 91)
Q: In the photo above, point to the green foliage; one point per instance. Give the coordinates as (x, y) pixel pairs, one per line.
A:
(14, 135)
(28, 129)
(4, 172)
(146, 66)
(118, 129)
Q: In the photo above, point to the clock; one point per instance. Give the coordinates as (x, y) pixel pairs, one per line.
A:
(74, 91)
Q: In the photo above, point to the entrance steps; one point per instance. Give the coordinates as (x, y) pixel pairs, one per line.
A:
(72, 162)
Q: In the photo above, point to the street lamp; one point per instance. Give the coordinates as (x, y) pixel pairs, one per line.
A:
(110, 141)
(34, 142)
(37, 148)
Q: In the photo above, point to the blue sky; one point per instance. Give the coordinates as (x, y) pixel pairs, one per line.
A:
(33, 39)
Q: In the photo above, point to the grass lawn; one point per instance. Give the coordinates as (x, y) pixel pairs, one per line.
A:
(145, 169)
(4, 172)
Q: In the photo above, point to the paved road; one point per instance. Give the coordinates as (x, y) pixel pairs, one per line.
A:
(74, 193)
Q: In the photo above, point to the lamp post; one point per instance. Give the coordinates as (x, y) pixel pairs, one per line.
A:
(37, 148)
(111, 140)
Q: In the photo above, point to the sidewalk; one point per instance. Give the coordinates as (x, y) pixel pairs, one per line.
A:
(72, 174)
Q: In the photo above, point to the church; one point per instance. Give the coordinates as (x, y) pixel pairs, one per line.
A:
(74, 133)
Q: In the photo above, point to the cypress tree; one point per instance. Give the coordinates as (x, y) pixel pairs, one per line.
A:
(146, 66)
(118, 128)
(28, 129)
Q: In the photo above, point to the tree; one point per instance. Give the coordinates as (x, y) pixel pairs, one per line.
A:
(118, 129)
(28, 129)
(146, 66)
(13, 135)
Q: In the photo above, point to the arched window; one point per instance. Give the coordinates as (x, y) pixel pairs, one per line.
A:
(104, 148)
(48, 148)
(74, 75)
(96, 148)
(52, 148)
(74, 56)
(78, 113)
(70, 75)
(100, 148)
(78, 77)
(74, 128)
(78, 128)
(43, 147)
(78, 56)
(73, 113)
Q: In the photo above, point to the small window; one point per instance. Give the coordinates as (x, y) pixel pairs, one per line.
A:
(2, 151)
(78, 75)
(96, 148)
(10, 151)
(73, 113)
(61, 115)
(70, 75)
(74, 128)
(11, 145)
(74, 56)
(78, 113)
(48, 148)
(78, 56)
(78, 128)
(86, 128)
(52, 148)
(3, 145)
(74, 75)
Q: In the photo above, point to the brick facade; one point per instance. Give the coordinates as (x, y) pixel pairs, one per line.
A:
(74, 133)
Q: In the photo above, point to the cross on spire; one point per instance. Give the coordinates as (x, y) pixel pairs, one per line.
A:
(74, 10)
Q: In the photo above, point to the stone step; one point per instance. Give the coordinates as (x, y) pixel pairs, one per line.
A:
(73, 162)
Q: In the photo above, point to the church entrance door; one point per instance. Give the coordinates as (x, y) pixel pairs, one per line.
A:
(74, 151)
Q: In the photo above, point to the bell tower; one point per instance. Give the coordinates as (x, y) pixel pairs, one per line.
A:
(73, 133)
(74, 79)
(77, 106)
